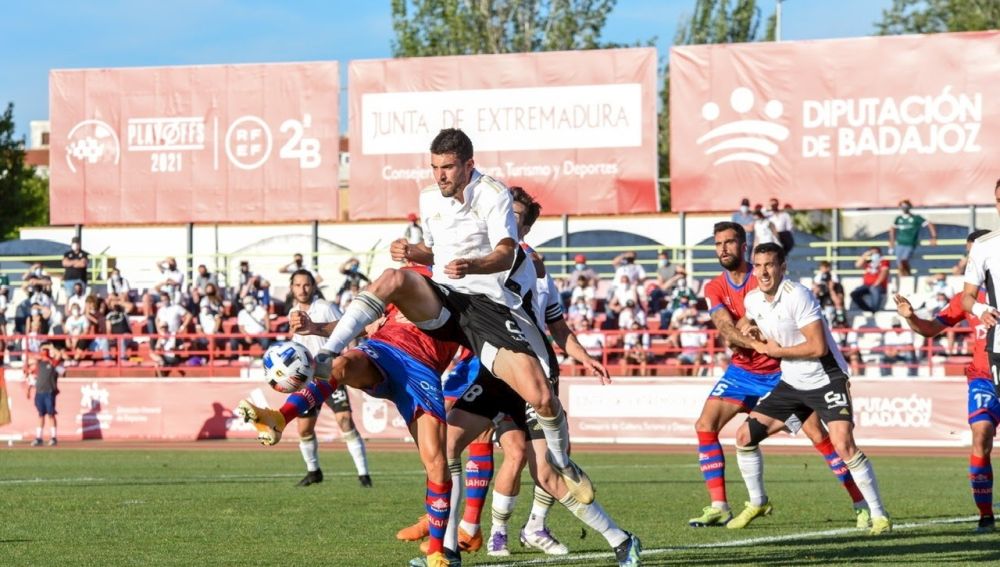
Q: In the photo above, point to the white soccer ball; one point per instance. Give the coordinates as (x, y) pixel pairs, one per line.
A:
(287, 366)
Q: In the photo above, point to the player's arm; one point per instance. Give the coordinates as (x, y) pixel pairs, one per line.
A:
(724, 324)
(402, 251)
(892, 236)
(933, 231)
(813, 347)
(567, 341)
(975, 275)
(927, 328)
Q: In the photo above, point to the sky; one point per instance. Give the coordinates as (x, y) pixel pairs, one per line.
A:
(67, 34)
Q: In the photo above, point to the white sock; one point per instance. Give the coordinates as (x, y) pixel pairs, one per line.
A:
(457, 488)
(310, 453)
(556, 432)
(471, 529)
(596, 518)
(864, 477)
(539, 510)
(53, 432)
(724, 506)
(502, 509)
(38, 433)
(751, 463)
(356, 447)
(363, 311)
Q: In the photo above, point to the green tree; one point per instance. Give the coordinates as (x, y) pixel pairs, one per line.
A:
(712, 21)
(24, 198)
(934, 16)
(472, 27)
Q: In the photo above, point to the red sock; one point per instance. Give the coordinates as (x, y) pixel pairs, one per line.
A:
(839, 469)
(311, 396)
(478, 473)
(981, 478)
(713, 464)
(438, 505)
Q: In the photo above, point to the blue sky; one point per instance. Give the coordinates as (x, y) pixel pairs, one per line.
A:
(58, 34)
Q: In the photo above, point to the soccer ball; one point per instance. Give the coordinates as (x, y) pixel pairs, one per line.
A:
(287, 366)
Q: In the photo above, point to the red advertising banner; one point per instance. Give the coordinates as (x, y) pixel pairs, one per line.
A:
(860, 122)
(887, 412)
(576, 129)
(227, 143)
(166, 409)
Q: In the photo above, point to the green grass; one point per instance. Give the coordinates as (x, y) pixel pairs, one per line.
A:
(240, 507)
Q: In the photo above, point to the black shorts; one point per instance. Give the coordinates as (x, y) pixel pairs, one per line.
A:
(485, 326)
(338, 402)
(832, 402)
(491, 397)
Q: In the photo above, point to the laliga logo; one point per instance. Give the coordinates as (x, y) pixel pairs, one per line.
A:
(747, 139)
(91, 141)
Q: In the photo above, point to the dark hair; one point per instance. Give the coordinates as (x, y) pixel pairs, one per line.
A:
(771, 248)
(741, 233)
(303, 272)
(531, 207)
(452, 141)
(825, 264)
(975, 234)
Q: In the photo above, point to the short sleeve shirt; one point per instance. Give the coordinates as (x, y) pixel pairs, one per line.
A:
(782, 320)
(983, 269)
(76, 273)
(722, 293)
(952, 315)
(319, 311)
(908, 229)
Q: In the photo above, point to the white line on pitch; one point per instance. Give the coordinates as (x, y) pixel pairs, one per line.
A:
(593, 556)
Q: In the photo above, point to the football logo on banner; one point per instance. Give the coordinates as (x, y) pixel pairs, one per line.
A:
(92, 142)
(749, 140)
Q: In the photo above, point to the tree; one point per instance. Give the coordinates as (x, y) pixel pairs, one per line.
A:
(934, 16)
(472, 27)
(24, 198)
(713, 21)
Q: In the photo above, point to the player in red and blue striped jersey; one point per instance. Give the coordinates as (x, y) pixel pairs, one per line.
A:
(750, 376)
(400, 363)
(984, 406)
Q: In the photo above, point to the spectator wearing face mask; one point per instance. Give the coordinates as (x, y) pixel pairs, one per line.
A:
(351, 269)
(904, 236)
(744, 216)
(581, 269)
(870, 295)
(119, 291)
(74, 264)
(172, 281)
(783, 225)
(626, 265)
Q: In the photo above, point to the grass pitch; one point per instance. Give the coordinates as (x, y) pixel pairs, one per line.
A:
(226, 506)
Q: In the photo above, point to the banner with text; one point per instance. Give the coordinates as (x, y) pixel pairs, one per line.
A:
(887, 412)
(576, 129)
(860, 122)
(227, 143)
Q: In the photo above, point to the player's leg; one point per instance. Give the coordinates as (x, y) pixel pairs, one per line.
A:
(626, 546)
(429, 433)
(478, 474)
(54, 426)
(309, 447)
(715, 414)
(535, 533)
(409, 291)
(758, 427)
(463, 428)
(506, 488)
(340, 403)
(842, 436)
(814, 430)
(984, 413)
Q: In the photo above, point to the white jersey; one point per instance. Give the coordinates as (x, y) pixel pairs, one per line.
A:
(320, 311)
(983, 269)
(473, 229)
(782, 320)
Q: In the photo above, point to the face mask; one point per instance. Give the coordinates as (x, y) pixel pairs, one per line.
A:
(664, 263)
(876, 258)
(581, 266)
(745, 209)
(906, 210)
(681, 284)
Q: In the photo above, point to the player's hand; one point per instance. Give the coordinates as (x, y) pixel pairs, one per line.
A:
(990, 318)
(299, 323)
(598, 369)
(458, 269)
(903, 307)
(400, 250)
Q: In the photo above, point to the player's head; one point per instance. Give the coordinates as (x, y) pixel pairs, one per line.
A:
(526, 210)
(973, 236)
(451, 161)
(769, 266)
(905, 205)
(303, 286)
(730, 244)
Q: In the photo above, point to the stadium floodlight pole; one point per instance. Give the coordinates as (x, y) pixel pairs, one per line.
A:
(777, 20)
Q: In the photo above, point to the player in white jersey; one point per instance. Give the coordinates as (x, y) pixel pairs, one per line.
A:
(786, 322)
(983, 270)
(475, 296)
(311, 319)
